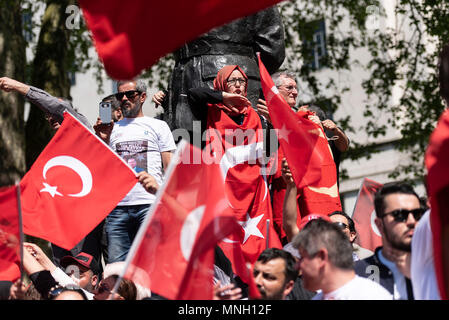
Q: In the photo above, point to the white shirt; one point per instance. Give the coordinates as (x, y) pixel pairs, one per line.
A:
(400, 285)
(142, 139)
(424, 282)
(357, 289)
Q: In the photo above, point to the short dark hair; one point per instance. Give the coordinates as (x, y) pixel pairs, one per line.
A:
(291, 272)
(351, 224)
(391, 188)
(443, 73)
(318, 234)
(127, 289)
(319, 112)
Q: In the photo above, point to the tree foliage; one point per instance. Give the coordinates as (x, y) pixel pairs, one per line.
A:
(403, 56)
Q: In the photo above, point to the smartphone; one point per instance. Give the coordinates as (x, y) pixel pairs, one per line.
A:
(106, 112)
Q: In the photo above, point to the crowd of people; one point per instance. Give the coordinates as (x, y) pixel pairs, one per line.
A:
(319, 259)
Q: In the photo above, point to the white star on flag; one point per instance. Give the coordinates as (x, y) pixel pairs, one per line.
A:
(250, 227)
(51, 190)
(283, 133)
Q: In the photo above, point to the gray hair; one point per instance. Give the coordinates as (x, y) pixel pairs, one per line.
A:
(318, 234)
(140, 84)
(277, 77)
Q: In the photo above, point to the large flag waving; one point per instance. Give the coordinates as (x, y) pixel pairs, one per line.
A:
(133, 36)
(297, 136)
(437, 159)
(368, 236)
(72, 186)
(307, 151)
(173, 254)
(9, 234)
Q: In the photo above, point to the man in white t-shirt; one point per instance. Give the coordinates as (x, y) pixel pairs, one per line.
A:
(326, 264)
(146, 142)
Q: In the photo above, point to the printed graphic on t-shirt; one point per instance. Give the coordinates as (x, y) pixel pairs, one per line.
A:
(134, 153)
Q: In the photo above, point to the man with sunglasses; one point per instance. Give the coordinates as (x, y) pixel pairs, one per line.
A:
(346, 224)
(150, 143)
(398, 209)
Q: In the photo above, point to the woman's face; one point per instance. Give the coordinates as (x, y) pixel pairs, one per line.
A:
(236, 83)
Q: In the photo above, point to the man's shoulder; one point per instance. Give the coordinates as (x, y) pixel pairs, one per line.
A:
(361, 266)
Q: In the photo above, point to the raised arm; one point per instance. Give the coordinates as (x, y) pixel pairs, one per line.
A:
(43, 100)
(290, 212)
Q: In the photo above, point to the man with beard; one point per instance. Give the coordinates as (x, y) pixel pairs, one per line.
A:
(275, 273)
(327, 266)
(398, 210)
(150, 142)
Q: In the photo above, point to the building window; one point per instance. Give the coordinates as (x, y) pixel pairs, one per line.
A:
(27, 27)
(315, 44)
(72, 78)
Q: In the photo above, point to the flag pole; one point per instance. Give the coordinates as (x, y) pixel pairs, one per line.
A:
(268, 234)
(19, 210)
(141, 233)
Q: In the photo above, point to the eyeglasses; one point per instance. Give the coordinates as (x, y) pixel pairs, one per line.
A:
(234, 81)
(341, 225)
(57, 290)
(289, 88)
(401, 215)
(129, 94)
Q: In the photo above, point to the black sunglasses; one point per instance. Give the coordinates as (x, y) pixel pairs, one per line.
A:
(401, 215)
(341, 225)
(129, 94)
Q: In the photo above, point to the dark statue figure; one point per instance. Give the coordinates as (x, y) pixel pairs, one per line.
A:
(236, 43)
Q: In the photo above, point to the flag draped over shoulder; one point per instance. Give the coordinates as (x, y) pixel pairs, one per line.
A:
(9, 235)
(173, 254)
(436, 160)
(72, 186)
(239, 150)
(133, 36)
(307, 151)
(368, 236)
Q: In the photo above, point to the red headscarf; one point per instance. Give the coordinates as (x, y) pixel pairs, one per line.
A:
(221, 82)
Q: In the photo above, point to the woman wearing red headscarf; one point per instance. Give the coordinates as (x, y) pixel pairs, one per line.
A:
(234, 138)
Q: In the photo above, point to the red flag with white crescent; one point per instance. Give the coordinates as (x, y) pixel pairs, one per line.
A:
(437, 159)
(73, 185)
(307, 151)
(239, 150)
(173, 253)
(9, 235)
(368, 236)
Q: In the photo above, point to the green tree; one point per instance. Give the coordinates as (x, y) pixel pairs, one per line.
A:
(12, 64)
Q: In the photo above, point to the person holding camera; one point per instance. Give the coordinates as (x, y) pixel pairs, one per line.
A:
(149, 143)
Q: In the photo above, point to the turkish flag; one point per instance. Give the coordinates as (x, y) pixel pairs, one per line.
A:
(9, 235)
(368, 236)
(173, 254)
(307, 151)
(436, 160)
(239, 150)
(133, 36)
(72, 186)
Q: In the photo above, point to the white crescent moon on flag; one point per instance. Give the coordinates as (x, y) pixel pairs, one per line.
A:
(266, 190)
(80, 168)
(373, 224)
(240, 154)
(189, 230)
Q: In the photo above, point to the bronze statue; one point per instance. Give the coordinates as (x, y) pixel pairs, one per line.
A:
(235, 43)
